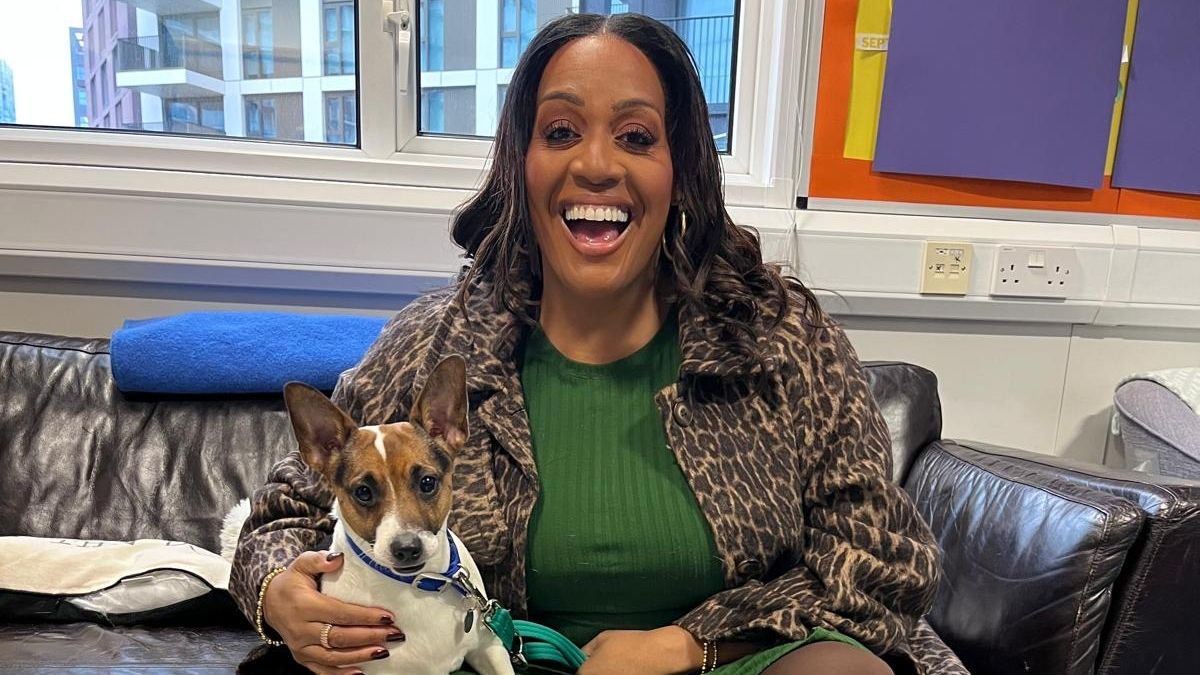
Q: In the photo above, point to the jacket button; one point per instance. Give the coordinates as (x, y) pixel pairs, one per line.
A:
(750, 567)
(683, 416)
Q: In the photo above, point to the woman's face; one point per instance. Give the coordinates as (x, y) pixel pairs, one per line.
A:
(598, 170)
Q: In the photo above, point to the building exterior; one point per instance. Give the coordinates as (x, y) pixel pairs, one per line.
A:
(271, 69)
(109, 106)
(79, 76)
(8, 97)
(469, 48)
(286, 69)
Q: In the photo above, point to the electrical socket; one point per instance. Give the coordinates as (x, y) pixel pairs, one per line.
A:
(1036, 272)
(946, 268)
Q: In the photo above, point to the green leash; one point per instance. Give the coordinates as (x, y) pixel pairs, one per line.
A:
(529, 642)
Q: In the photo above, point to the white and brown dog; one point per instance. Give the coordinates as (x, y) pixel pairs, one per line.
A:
(392, 488)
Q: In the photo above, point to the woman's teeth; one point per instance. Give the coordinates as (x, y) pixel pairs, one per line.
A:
(614, 214)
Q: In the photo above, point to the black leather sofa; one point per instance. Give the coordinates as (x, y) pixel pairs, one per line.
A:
(1051, 567)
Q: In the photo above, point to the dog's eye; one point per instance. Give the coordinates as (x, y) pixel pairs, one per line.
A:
(428, 485)
(364, 495)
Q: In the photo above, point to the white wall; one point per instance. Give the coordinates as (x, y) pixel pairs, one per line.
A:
(1041, 387)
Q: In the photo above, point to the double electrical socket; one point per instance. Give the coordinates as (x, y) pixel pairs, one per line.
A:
(1035, 272)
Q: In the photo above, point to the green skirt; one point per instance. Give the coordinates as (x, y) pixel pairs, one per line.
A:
(758, 662)
(753, 664)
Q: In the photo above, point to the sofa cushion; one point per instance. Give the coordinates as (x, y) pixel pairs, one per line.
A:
(1152, 626)
(84, 461)
(1029, 561)
(89, 649)
(907, 396)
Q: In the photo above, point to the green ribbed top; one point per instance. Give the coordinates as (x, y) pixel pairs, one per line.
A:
(617, 539)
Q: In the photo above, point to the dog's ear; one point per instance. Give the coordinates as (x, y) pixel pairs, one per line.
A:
(321, 428)
(441, 407)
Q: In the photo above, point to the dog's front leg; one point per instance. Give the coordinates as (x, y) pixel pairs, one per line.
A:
(490, 658)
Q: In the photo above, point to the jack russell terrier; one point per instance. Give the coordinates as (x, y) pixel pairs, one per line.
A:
(392, 488)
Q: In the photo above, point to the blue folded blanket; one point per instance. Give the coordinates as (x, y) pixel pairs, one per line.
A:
(237, 352)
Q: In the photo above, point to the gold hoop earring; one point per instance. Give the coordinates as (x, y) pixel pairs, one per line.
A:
(682, 223)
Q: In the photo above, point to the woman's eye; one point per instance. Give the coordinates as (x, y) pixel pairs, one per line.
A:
(560, 133)
(428, 485)
(638, 137)
(364, 495)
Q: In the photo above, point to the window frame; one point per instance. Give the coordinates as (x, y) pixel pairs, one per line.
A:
(760, 170)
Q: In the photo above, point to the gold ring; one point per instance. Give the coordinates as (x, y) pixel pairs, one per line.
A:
(325, 636)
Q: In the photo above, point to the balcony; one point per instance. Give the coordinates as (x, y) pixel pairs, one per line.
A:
(167, 7)
(179, 67)
(711, 40)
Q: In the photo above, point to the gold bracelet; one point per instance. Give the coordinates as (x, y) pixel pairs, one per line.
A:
(258, 611)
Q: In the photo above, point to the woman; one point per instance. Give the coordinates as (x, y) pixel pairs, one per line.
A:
(666, 437)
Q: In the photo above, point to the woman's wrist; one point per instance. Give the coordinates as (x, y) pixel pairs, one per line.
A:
(681, 649)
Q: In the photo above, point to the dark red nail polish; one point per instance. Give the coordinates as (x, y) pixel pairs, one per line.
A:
(333, 556)
(379, 654)
(395, 637)
(386, 620)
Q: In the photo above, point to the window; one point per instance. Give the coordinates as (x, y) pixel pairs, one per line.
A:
(167, 72)
(189, 41)
(449, 111)
(518, 24)
(257, 41)
(453, 60)
(275, 117)
(341, 118)
(203, 116)
(433, 35)
(339, 45)
(403, 137)
(104, 84)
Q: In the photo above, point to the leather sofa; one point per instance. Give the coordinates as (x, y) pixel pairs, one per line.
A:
(1050, 567)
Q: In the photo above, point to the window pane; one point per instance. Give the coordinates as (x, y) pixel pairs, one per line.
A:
(168, 67)
(706, 26)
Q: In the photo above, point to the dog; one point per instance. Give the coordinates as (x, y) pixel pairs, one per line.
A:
(392, 486)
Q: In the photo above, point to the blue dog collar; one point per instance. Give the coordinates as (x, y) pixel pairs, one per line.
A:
(433, 583)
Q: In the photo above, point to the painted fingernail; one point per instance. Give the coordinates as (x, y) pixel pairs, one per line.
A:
(386, 620)
(379, 654)
(395, 637)
(333, 556)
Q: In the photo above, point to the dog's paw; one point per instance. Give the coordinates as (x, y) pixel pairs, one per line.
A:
(231, 528)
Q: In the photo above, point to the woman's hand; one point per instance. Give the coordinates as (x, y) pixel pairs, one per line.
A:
(663, 651)
(298, 611)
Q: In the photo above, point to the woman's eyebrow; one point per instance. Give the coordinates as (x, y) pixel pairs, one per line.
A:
(628, 103)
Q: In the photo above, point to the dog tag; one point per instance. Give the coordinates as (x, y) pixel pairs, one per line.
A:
(469, 621)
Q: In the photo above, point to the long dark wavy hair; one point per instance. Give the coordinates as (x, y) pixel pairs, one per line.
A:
(716, 268)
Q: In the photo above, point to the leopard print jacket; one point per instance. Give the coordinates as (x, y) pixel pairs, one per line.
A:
(791, 474)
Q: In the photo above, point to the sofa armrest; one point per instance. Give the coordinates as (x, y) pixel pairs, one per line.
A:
(1152, 625)
(1029, 560)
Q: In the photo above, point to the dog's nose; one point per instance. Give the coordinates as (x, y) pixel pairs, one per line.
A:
(406, 550)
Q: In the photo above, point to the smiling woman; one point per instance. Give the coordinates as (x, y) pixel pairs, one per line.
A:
(673, 457)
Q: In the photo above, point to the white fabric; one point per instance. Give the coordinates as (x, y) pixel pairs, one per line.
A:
(160, 588)
(55, 566)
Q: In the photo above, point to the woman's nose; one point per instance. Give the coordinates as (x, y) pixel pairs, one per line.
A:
(597, 167)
